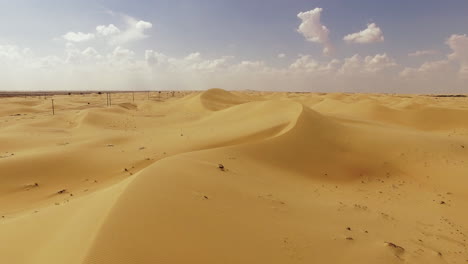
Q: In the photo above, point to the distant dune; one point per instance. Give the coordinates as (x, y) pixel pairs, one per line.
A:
(233, 177)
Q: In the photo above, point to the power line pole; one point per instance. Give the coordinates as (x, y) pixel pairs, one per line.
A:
(53, 108)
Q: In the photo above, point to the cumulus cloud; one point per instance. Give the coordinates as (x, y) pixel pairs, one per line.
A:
(368, 64)
(142, 25)
(428, 69)
(459, 46)
(12, 53)
(441, 76)
(251, 66)
(456, 64)
(78, 36)
(313, 30)
(306, 64)
(371, 34)
(109, 30)
(194, 62)
(90, 52)
(378, 62)
(123, 68)
(121, 53)
(75, 56)
(154, 58)
(122, 58)
(353, 66)
(135, 30)
(420, 53)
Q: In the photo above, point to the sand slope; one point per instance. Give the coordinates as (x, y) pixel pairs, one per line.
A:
(308, 178)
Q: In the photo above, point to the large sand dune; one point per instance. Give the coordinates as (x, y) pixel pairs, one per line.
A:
(307, 178)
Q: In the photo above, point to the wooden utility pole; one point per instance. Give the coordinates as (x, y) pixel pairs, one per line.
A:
(53, 108)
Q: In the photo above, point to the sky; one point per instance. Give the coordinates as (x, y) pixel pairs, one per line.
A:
(398, 46)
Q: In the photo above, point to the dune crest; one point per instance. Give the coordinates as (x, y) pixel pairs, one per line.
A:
(216, 99)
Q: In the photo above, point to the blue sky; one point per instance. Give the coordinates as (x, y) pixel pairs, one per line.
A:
(246, 30)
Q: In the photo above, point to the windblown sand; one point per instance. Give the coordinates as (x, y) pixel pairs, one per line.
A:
(307, 178)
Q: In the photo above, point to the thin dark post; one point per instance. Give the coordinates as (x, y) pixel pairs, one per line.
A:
(107, 99)
(133, 95)
(53, 108)
(110, 99)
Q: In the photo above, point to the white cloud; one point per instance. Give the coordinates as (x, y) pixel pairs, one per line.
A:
(154, 58)
(313, 30)
(352, 66)
(78, 36)
(142, 25)
(107, 30)
(371, 34)
(122, 54)
(251, 66)
(455, 64)
(75, 56)
(193, 62)
(369, 64)
(11, 52)
(430, 71)
(213, 65)
(281, 56)
(49, 63)
(134, 31)
(440, 76)
(459, 46)
(192, 57)
(379, 62)
(419, 53)
(306, 64)
(91, 53)
(122, 68)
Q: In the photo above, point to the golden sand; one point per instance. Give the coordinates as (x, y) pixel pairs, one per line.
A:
(305, 178)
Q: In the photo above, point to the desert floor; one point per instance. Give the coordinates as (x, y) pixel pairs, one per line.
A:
(307, 178)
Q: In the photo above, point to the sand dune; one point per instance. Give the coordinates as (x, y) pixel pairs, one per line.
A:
(306, 178)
